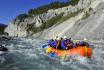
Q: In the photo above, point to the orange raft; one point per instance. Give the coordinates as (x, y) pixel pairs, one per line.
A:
(82, 51)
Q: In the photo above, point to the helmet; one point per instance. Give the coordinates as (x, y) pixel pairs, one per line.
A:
(77, 41)
(64, 37)
(54, 38)
(85, 39)
(58, 38)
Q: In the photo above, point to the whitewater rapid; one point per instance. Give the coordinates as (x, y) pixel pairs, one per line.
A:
(27, 54)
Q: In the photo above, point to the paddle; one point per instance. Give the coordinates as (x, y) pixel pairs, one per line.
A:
(44, 46)
(64, 55)
(57, 47)
(52, 55)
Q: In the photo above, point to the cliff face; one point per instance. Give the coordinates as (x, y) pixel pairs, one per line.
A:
(87, 23)
(19, 28)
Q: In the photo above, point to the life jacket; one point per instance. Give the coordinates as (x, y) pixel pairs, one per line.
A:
(69, 40)
(63, 44)
(83, 43)
(53, 43)
(74, 45)
(69, 44)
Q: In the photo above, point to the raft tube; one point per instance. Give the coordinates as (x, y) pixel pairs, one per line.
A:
(82, 51)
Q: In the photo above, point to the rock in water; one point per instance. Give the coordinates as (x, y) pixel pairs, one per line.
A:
(3, 49)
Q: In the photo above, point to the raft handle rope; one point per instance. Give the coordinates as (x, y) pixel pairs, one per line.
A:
(86, 50)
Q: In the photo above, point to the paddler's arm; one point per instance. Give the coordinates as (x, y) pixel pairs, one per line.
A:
(57, 45)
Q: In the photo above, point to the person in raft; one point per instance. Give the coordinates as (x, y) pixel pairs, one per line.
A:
(53, 42)
(81, 43)
(66, 43)
(61, 43)
(84, 43)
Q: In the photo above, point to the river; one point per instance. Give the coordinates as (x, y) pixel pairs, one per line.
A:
(27, 54)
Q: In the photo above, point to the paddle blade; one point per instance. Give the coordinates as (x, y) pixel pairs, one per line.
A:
(44, 46)
(52, 55)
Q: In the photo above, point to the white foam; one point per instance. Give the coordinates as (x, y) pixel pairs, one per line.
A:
(2, 59)
(1, 52)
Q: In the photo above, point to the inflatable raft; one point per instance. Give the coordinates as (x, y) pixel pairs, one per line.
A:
(81, 50)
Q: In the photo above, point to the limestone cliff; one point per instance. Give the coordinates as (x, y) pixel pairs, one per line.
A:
(87, 24)
(87, 21)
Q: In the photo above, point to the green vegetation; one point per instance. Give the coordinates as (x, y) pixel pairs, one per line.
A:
(86, 15)
(2, 27)
(55, 20)
(52, 21)
(45, 8)
(49, 23)
(53, 5)
(74, 2)
(64, 18)
(22, 16)
(90, 9)
(1, 31)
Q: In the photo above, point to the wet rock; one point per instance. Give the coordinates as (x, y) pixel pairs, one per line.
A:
(3, 48)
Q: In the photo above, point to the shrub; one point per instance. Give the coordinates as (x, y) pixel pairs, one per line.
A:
(49, 23)
(70, 15)
(22, 16)
(86, 15)
(45, 8)
(55, 20)
(74, 2)
(90, 9)
(2, 27)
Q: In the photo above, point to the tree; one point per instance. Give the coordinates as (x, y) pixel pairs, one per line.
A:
(74, 2)
(22, 16)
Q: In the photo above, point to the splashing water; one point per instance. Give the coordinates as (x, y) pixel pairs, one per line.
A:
(27, 54)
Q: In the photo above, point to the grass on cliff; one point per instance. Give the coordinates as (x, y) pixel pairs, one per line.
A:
(72, 14)
(49, 23)
(55, 20)
(74, 2)
(43, 9)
